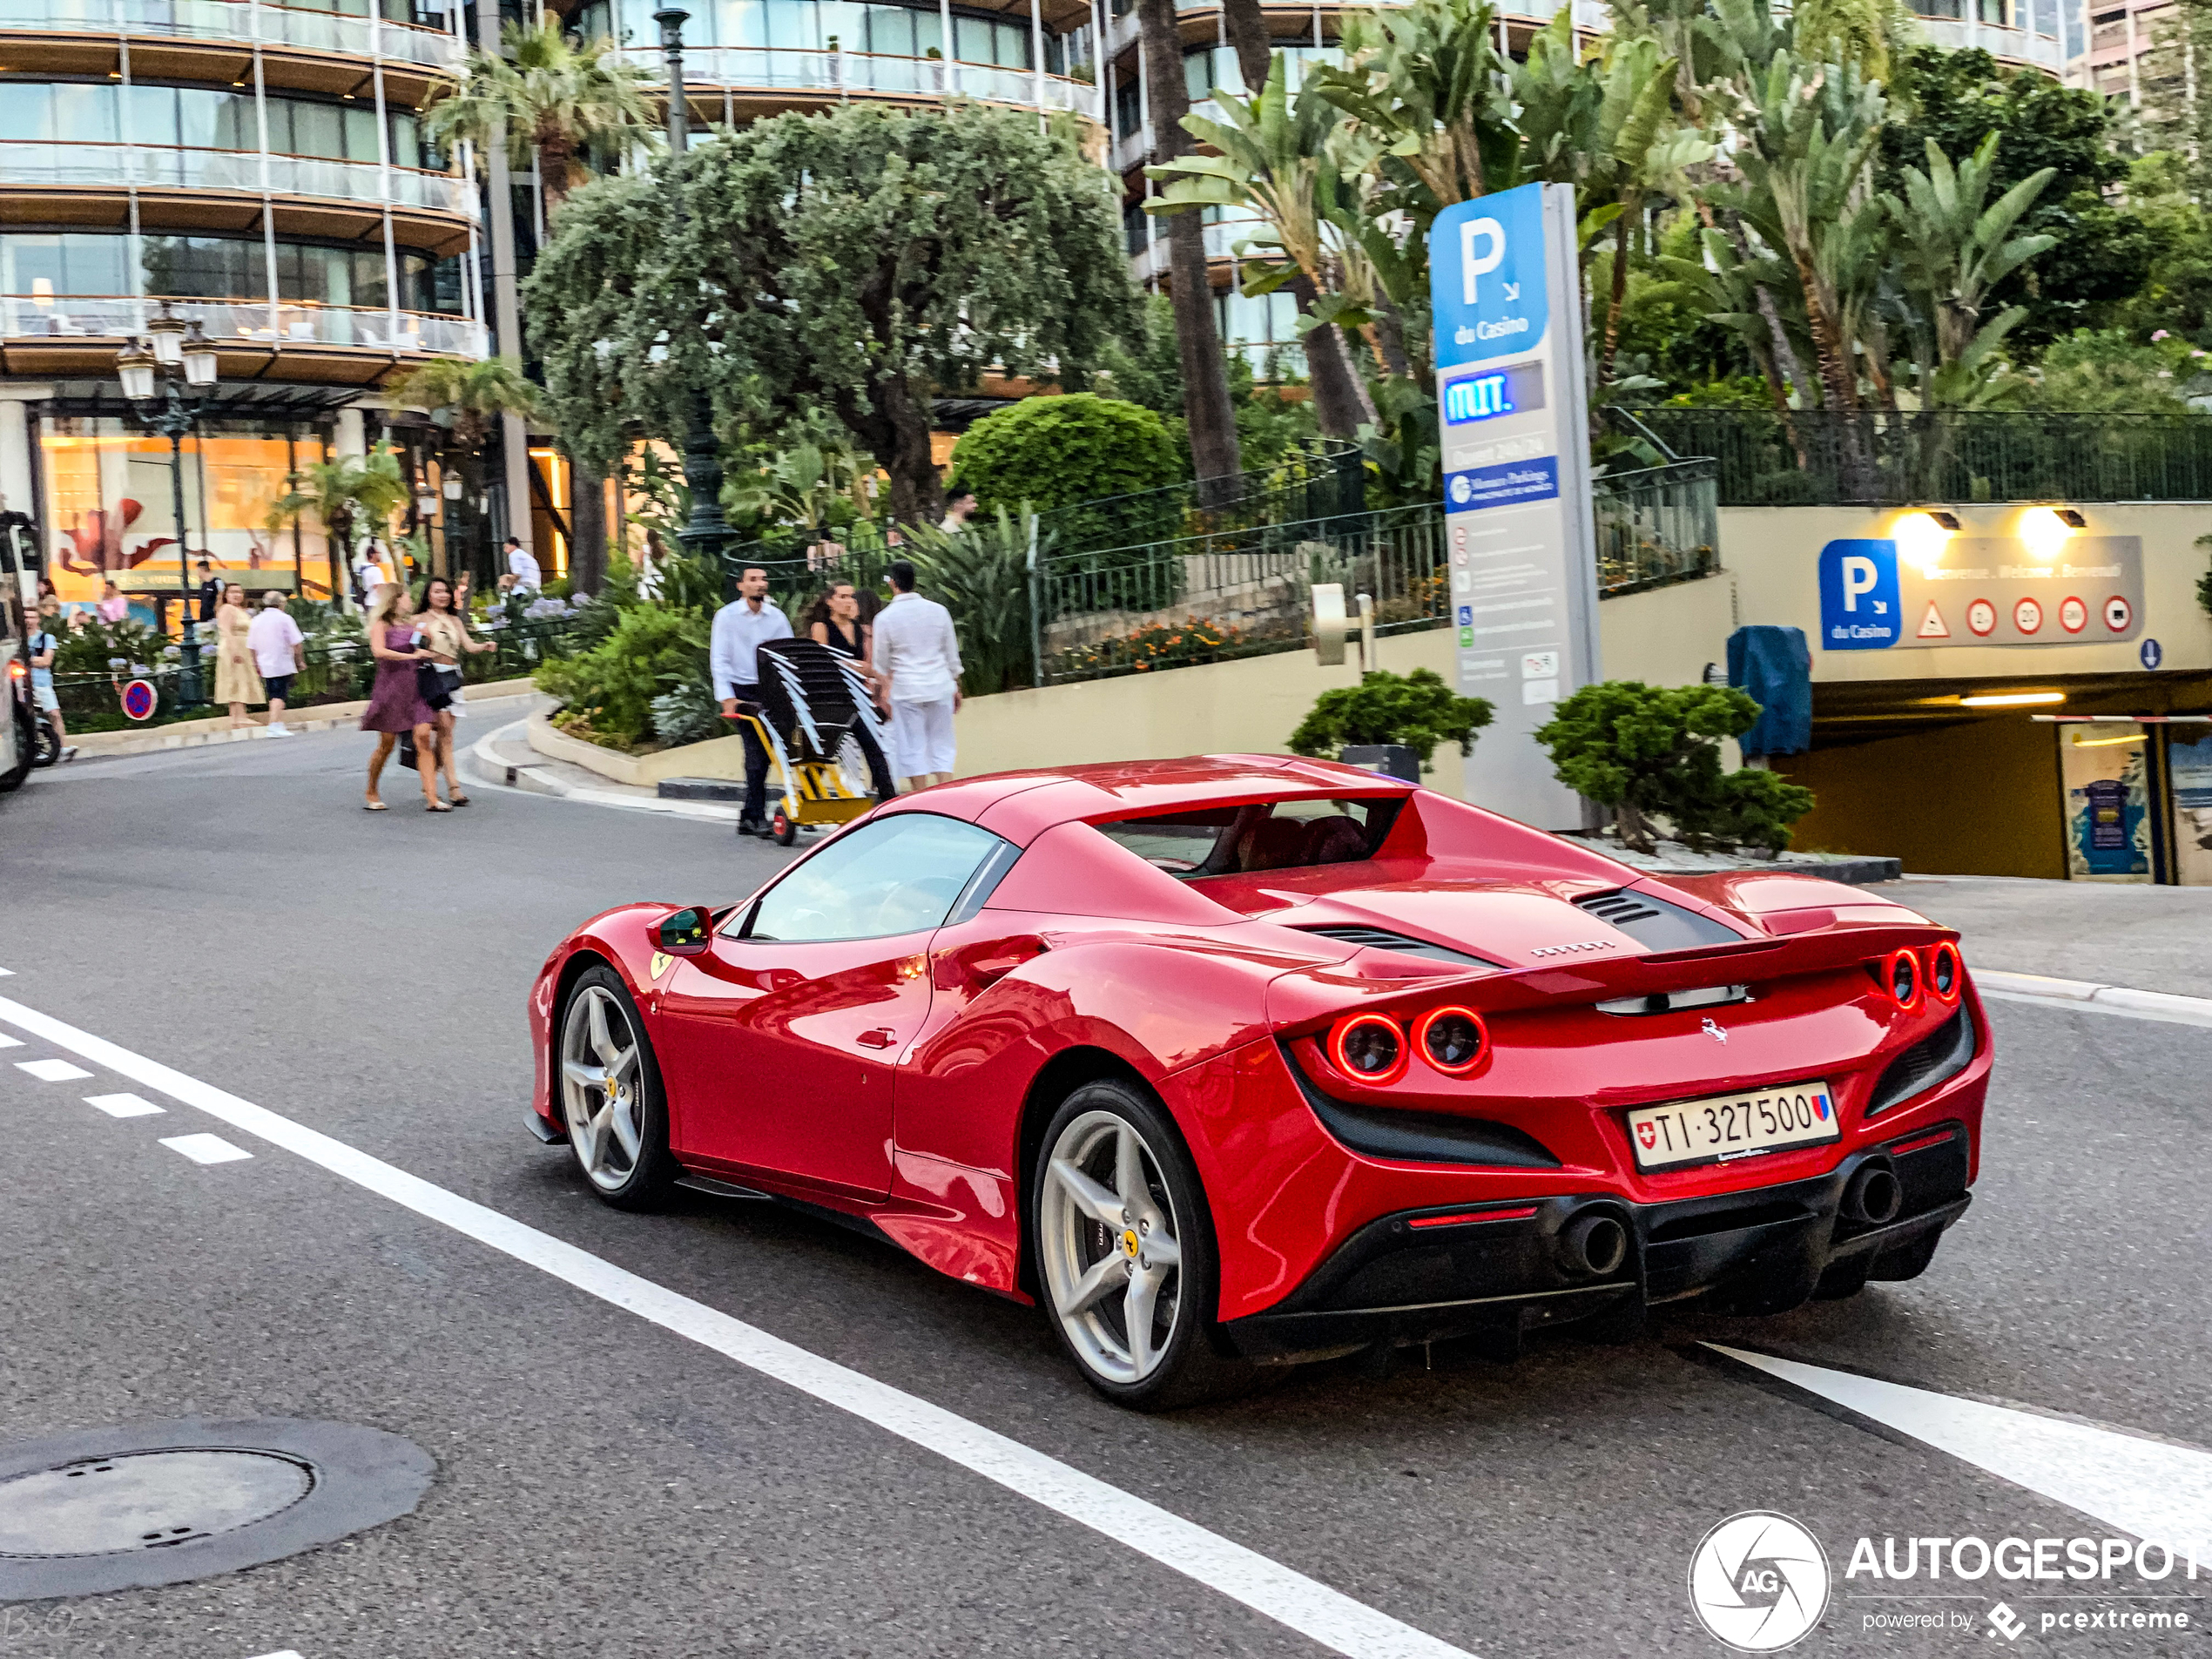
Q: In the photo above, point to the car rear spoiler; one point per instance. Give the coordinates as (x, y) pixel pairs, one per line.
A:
(1321, 993)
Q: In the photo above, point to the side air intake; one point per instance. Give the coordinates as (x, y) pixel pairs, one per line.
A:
(1383, 939)
(1655, 923)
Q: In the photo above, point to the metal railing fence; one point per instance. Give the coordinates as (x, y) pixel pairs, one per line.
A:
(1807, 458)
(1247, 590)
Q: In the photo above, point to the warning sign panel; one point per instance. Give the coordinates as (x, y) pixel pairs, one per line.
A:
(1931, 624)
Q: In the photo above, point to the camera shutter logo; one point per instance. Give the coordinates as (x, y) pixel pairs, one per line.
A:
(1758, 1581)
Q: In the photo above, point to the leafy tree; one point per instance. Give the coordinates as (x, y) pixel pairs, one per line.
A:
(548, 92)
(1417, 709)
(351, 495)
(2101, 253)
(1054, 451)
(2093, 370)
(854, 262)
(2177, 295)
(1654, 751)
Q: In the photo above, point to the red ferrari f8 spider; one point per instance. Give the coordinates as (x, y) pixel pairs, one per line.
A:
(1245, 1059)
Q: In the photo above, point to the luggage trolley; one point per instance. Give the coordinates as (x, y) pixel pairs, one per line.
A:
(814, 720)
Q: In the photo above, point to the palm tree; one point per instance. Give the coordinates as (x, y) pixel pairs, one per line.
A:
(546, 92)
(350, 495)
(1205, 374)
(473, 400)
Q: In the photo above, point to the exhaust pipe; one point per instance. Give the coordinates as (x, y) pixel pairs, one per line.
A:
(1594, 1243)
(1873, 1196)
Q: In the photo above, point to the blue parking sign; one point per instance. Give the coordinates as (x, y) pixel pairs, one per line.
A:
(1486, 276)
(1859, 604)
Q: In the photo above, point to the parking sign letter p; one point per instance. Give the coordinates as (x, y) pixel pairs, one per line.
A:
(1473, 265)
(1858, 577)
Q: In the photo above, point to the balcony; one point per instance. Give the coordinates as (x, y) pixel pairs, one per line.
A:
(809, 76)
(181, 38)
(2007, 45)
(222, 189)
(1221, 243)
(80, 334)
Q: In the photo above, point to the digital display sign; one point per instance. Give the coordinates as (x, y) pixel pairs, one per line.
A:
(1518, 389)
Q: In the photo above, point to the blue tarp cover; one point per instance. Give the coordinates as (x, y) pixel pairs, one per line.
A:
(1774, 667)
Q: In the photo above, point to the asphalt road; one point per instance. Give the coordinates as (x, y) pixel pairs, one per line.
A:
(607, 1488)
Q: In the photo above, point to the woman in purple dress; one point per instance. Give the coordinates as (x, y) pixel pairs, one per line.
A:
(395, 704)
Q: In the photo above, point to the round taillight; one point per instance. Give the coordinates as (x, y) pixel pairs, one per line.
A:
(1944, 972)
(1368, 1047)
(1452, 1039)
(1903, 980)
(16, 669)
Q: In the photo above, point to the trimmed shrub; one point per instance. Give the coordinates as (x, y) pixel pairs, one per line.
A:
(1417, 709)
(1055, 451)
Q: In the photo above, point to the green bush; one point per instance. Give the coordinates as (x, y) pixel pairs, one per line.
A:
(1653, 751)
(1417, 709)
(611, 688)
(1055, 451)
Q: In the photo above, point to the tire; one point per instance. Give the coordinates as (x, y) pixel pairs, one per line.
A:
(47, 743)
(26, 748)
(1093, 1280)
(633, 1171)
(782, 828)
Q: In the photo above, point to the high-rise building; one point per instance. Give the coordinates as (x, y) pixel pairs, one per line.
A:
(263, 170)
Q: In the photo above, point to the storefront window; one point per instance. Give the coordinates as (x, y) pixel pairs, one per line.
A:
(111, 501)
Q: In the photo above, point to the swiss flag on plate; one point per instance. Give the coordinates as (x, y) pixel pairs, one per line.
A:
(1647, 1135)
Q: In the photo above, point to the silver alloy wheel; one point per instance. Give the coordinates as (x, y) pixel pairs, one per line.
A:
(602, 1086)
(1106, 1231)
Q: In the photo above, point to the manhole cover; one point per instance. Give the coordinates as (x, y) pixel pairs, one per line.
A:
(160, 1503)
(143, 1500)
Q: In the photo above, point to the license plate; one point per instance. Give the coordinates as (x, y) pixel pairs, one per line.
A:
(1723, 1128)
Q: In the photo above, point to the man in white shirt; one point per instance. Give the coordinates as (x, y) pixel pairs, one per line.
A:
(522, 565)
(372, 571)
(917, 655)
(279, 652)
(733, 658)
(960, 508)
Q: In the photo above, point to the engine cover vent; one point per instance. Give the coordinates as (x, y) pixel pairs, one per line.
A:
(1383, 939)
(1943, 1053)
(1655, 923)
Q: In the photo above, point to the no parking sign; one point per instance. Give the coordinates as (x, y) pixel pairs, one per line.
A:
(139, 699)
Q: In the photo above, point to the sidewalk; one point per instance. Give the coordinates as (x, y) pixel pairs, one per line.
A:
(2154, 939)
(314, 717)
(503, 759)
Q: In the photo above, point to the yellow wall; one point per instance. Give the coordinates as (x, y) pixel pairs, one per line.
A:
(1773, 554)
(1666, 637)
(1981, 798)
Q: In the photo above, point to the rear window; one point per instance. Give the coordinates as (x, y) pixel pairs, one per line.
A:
(1270, 835)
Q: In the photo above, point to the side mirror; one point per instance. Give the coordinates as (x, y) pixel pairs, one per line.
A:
(684, 933)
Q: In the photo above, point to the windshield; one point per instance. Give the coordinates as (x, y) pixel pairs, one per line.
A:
(1270, 835)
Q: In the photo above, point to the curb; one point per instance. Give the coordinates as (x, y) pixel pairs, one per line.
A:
(2094, 999)
(485, 768)
(194, 734)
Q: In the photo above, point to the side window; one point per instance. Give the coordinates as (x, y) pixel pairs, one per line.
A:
(901, 874)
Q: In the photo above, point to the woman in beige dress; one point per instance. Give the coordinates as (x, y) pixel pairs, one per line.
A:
(237, 681)
(444, 628)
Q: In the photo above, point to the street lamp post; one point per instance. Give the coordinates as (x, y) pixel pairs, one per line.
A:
(173, 346)
(707, 532)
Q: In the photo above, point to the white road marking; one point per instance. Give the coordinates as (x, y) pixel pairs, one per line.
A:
(205, 1149)
(287, 1654)
(2150, 1488)
(2091, 998)
(10, 1042)
(123, 1105)
(51, 1071)
(1334, 1620)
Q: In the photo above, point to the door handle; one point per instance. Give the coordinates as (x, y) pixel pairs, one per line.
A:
(882, 1037)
